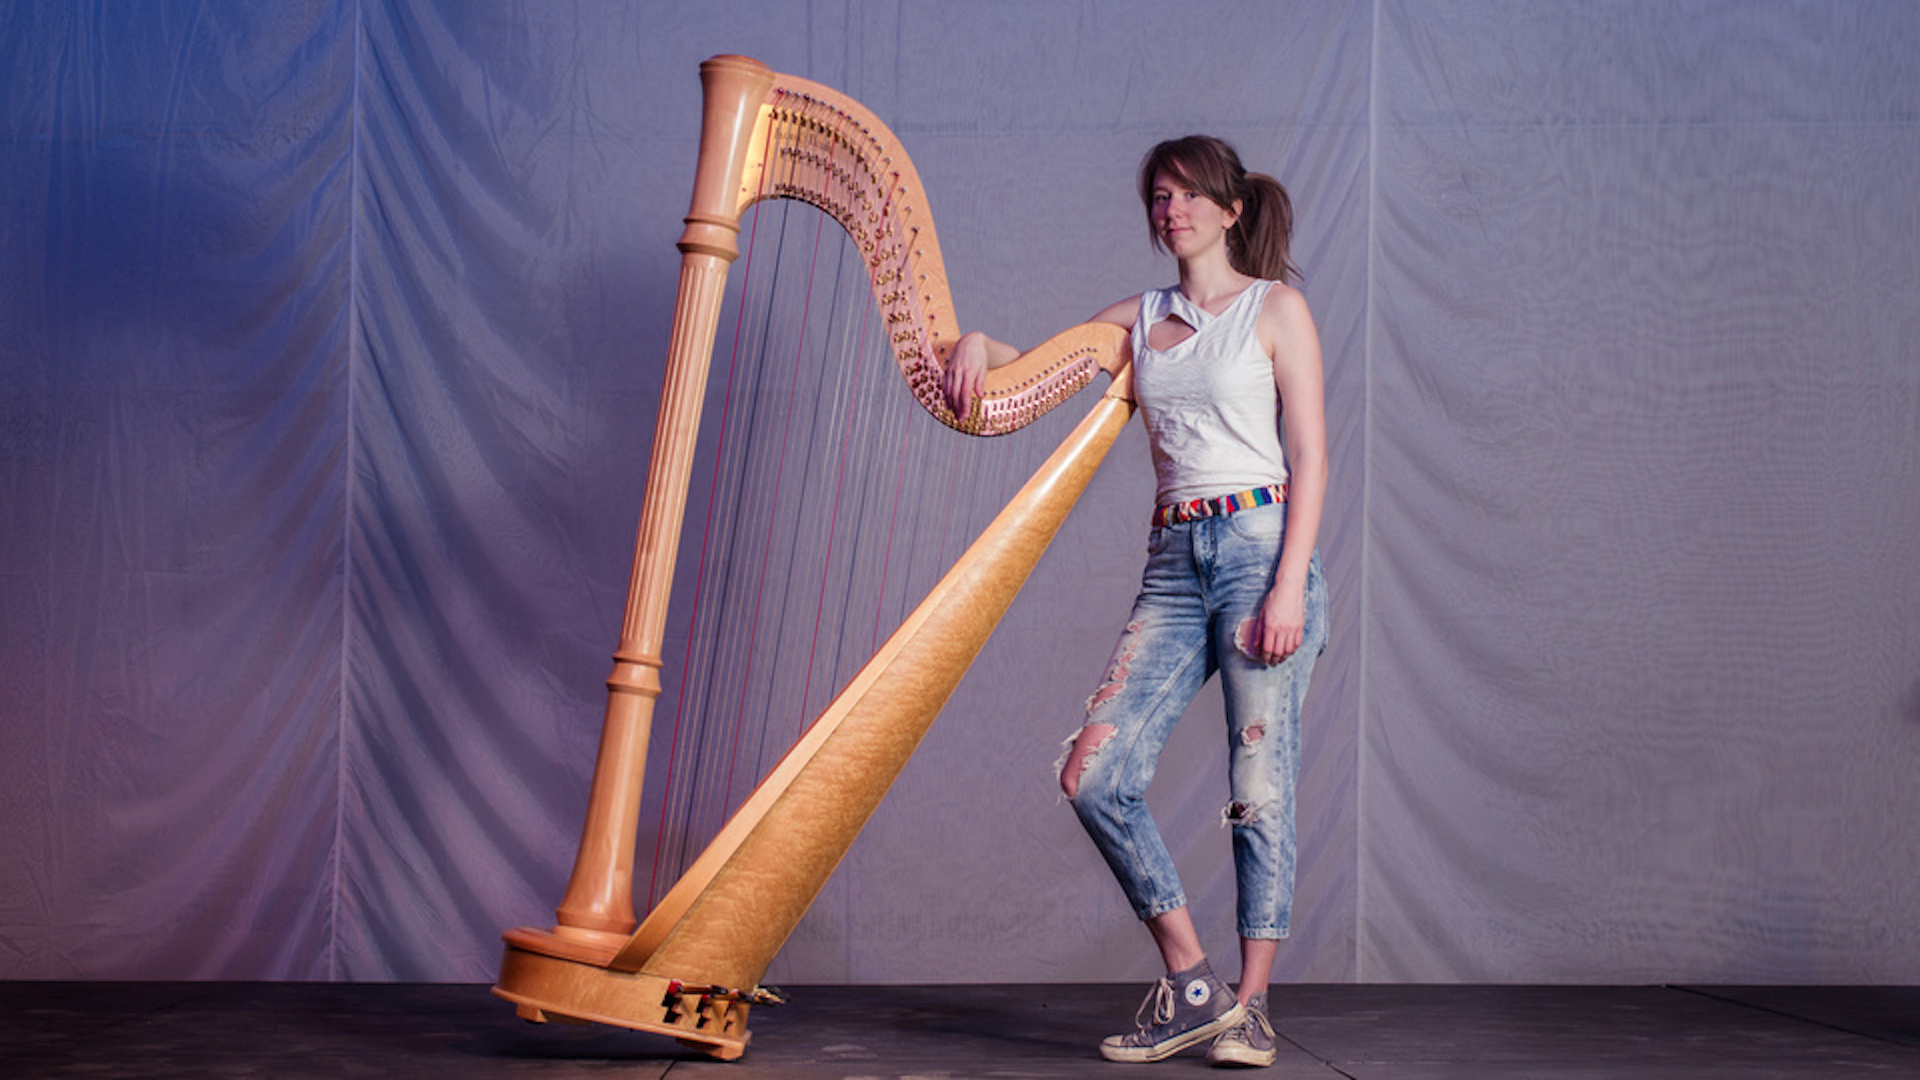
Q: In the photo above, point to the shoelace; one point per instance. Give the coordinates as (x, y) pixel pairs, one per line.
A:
(1162, 1000)
(1253, 1018)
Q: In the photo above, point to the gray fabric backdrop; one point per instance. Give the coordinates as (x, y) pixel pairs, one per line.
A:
(329, 342)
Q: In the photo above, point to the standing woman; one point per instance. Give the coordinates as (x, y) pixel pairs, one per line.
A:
(1226, 371)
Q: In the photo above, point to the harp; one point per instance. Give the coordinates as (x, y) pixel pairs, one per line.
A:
(692, 968)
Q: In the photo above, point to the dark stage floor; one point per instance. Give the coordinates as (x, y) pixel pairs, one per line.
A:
(103, 1031)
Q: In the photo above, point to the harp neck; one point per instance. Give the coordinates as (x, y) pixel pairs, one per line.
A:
(767, 135)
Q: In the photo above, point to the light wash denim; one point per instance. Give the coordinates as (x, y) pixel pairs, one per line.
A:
(1204, 580)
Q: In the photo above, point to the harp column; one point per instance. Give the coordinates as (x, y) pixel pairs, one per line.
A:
(596, 915)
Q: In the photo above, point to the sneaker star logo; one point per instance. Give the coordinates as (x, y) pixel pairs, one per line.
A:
(1198, 992)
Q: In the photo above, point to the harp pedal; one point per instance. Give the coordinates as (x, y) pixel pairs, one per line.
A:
(759, 995)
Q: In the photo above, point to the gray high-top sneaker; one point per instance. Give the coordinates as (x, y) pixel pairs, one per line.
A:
(1249, 1042)
(1182, 1009)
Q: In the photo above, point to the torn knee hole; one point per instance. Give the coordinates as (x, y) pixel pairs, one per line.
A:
(1116, 681)
(1080, 752)
(1243, 638)
(1252, 734)
(1118, 671)
(1240, 813)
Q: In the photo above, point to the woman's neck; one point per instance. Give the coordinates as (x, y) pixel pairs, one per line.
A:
(1211, 280)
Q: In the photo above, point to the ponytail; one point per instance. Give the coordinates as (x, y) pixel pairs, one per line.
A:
(1258, 241)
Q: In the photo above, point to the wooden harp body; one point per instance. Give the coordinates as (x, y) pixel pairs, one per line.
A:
(692, 968)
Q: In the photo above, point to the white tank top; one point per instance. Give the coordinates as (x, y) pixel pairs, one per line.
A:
(1211, 408)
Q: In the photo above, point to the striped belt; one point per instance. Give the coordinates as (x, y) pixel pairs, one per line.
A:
(1220, 506)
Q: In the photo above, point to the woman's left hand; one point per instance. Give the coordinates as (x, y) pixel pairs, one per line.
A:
(1280, 626)
(965, 373)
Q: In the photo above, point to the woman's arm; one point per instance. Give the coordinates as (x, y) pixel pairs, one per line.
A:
(1286, 329)
(975, 354)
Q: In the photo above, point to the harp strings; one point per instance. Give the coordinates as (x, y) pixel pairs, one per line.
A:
(834, 503)
(770, 531)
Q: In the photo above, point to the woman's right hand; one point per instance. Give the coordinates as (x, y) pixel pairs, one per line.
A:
(965, 375)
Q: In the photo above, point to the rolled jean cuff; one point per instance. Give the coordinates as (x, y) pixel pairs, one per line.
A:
(1165, 907)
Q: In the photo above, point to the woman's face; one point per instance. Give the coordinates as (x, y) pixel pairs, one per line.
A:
(1186, 221)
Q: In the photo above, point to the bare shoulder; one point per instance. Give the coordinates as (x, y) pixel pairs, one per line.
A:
(1284, 305)
(1122, 313)
(1286, 326)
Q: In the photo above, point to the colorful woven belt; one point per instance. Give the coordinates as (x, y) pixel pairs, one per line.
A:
(1219, 506)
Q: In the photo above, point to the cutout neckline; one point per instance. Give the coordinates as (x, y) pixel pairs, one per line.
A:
(1176, 324)
(1183, 312)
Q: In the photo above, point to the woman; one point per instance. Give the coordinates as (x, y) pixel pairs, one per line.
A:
(1224, 363)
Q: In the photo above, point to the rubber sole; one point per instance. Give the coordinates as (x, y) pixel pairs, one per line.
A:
(1113, 1050)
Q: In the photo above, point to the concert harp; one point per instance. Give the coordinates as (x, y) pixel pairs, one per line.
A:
(692, 968)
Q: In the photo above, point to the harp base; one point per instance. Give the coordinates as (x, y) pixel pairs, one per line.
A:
(546, 987)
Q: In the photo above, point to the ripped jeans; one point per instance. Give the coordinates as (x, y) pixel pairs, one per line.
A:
(1204, 580)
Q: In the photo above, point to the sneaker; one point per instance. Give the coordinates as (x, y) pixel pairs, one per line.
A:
(1249, 1042)
(1181, 1010)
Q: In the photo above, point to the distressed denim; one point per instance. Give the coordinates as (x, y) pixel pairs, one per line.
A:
(1204, 580)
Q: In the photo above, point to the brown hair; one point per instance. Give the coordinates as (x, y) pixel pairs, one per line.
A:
(1257, 243)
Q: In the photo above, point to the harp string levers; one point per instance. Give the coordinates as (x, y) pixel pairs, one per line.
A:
(691, 969)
